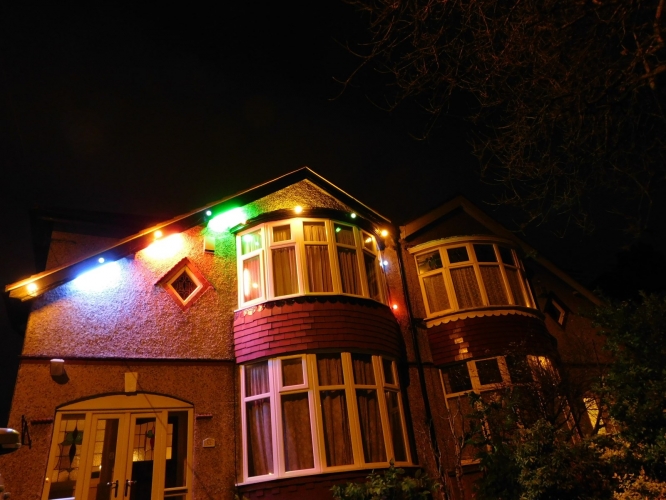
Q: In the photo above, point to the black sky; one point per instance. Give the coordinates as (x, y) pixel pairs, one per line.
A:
(156, 110)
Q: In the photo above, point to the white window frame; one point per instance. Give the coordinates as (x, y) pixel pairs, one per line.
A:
(267, 291)
(477, 386)
(312, 387)
(447, 266)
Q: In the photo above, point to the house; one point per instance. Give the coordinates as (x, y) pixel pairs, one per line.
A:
(272, 344)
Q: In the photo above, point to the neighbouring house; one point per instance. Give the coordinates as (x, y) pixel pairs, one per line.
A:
(274, 343)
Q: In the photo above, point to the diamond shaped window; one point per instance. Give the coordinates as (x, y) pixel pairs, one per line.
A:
(184, 283)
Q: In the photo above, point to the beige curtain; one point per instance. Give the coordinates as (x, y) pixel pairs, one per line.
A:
(251, 279)
(466, 287)
(344, 235)
(297, 435)
(397, 432)
(314, 231)
(371, 425)
(337, 435)
(349, 275)
(438, 299)
(319, 268)
(285, 277)
(492, 280)
(514, 284)
(371, 275)
(258, 415)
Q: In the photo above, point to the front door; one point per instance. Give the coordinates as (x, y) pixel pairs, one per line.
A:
(120, 455)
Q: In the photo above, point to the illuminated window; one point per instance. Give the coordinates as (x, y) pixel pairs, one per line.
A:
(318, 413)
(184, 283)
(307, 256)
(468, 275)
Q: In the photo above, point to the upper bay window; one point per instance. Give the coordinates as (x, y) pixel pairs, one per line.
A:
(307, 256)
(467, 275)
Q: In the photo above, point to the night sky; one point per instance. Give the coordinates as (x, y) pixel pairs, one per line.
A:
(153, 111)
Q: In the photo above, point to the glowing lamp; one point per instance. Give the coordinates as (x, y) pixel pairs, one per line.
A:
(298, 209)
(394, 307)
(384, 233)
(158, 234)
(353, 215)
(167, 247)
(385, 263)
(32, 288)
(101, 260)
(338, 229)
(227, 219)
(99, 279)
(208, 213)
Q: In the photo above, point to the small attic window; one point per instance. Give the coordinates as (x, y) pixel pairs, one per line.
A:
(556, 310)
(184, 283)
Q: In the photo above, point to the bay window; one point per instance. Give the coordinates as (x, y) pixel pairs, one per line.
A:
(307, 256)
(467, 275)
(314, 413)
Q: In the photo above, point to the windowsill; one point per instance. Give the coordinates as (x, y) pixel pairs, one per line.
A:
(311, 298)
(474, 312)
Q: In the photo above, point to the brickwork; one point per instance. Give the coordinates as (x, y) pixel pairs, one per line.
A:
(315, 323)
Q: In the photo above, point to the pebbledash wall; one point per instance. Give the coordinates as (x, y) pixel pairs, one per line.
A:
(133, 338)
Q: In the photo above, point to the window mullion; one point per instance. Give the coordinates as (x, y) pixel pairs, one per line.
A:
(333, 256)
(474, 376)
(383, 412)
(276, 418)
(352, 410)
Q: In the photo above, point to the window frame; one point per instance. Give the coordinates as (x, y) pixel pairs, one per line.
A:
(441, 248)
(267, 264)
(312, 386)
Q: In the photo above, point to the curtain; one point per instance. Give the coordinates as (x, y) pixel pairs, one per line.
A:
(371, 272)
(492, 280)
(466, 287)
(438, 299)
(281, 233)
(319, 268)
(314, 231)
(514, 284)
(335, 416)
(285, 277)
(251, 278)
(250, 242)
(397, 432)
(297, 433)
(363, 371)
(371, 426)
(344, 235)
(349, 274)
(258, 415)
(292, 371)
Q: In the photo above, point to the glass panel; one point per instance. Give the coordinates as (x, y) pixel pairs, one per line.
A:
(388, 371)
(259, 438)
(65, 471)
(344, 235)
(457, 254)
(349, 275)
(371, 272)
(456, 379)
(363, 371)
(436, 296)
(489, 372)
(369, 242)
(485, 253)
(292, 371)
(337, 436)
(507, 256)
(397, 432)
(314, 231)
(429, 262)
(492, 280)
(371, 426)
(281, 233)
(256, 379)
(143, 454)
(319, 268)
(285, 277)
(250, 242)
(466, 287)
(176, 456)
(297, 436)
(104, 459)
(251, 278)
(329, 369)
(514, 284)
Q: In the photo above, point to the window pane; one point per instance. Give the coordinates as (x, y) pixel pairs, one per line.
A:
(369, 242)
(285, 277)
(319, 268)
(371, 426)
(344, 235)
(103, 460)
(250, 242)
(281, 233)
(466, 287)
(507, 256)
(388, 371)
(457, 254)
(314, 231)
(349, 275)
(514, 284)
(456, 379)
(259, 438)
(429, 262)
(329, 369)
(176, 464)
(438, 299)
(251, 279)
(397, 432)
(337, 436)
(492, 280)
(485, 253)
(66, 468)
(292, 371)
(372, 277)
(363, 371)
(256, 379)
(489, 372)
(297, 434)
